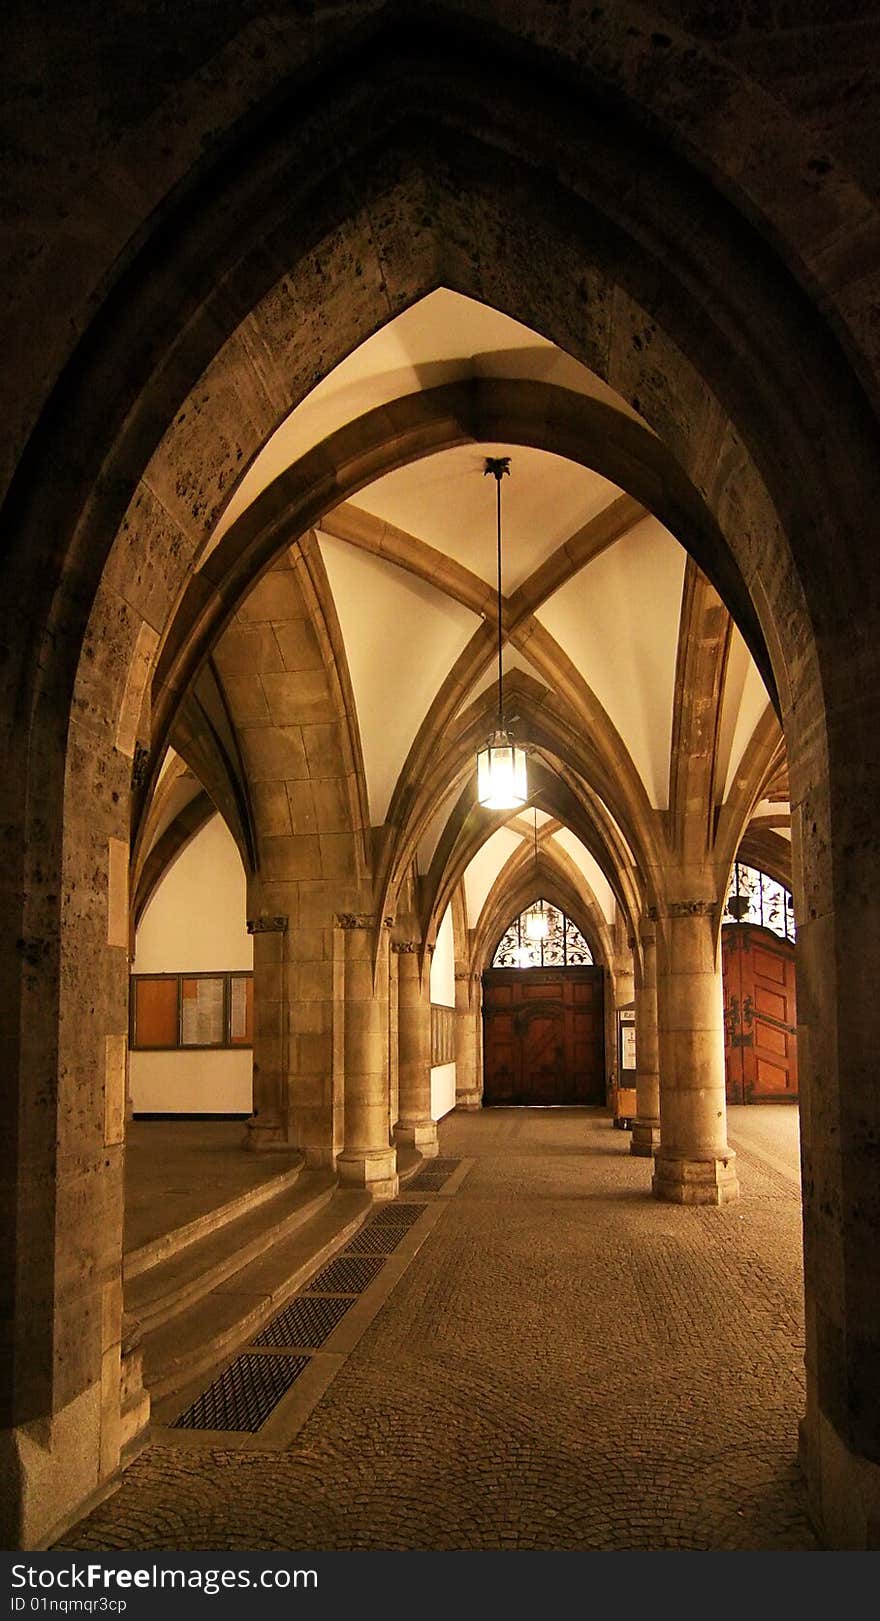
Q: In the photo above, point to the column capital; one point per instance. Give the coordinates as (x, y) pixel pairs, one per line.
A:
(404, 947)
(362, 920)
(267, 925)
(674, 909)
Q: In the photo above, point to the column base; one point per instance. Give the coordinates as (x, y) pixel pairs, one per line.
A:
(50, 1470)
(683, 1180)
(418, 1134)
(645, 1138)
(469, 1100)
(262, 1134)
(843, 1489)
(375, 1171)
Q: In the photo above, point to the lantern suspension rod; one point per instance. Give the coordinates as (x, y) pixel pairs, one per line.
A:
(497, 466)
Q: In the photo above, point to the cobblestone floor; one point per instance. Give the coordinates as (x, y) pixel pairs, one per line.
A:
(567, 1364)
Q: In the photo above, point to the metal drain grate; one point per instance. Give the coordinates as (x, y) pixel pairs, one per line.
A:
(402, 1215)
(244, 1395)
(347, 1275)
(305, 1322)
(378, 1238)
(435, 1173)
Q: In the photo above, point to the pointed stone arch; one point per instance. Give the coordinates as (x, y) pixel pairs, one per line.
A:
(737, 371)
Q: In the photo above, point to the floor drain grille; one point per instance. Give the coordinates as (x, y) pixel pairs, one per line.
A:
(400, 1215)
(305, 1322)
(244, 1395)
(435, 1174)
(347, 1275)
(379, 1238)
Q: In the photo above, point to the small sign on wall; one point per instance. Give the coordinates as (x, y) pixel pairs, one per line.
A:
(626, 1026)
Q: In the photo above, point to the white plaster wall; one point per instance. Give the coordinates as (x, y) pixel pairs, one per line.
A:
(196, 923)
(196, 920)
(443, 993)
(442, 1090)
(200, 1082)
(443, 964)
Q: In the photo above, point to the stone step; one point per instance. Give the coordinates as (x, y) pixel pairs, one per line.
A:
(159, 1249)
(210, 1328)
(187, 1274)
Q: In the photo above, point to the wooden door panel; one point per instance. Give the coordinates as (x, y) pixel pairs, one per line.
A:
(771, 1040)
(543, 1036)
(771, 1002)
(768, 965)
(760, 1015)
(771, 1078)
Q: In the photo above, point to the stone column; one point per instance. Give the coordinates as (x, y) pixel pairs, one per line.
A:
(415, 1127)
(693, 1164)
(270, 1125)
(368, 1159)
(468, 1044)
(646, 1128)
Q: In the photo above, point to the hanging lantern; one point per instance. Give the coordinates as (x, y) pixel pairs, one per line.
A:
(501, 774)
(502, 782)
(537, 924)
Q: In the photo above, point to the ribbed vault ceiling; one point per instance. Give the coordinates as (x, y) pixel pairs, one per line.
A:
(593, 587)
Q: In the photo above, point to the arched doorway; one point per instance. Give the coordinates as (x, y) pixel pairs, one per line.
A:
(543, 1016)
(760, 990)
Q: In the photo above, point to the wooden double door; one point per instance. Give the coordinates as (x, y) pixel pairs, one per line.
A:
(760, 1015)
(543, 1036)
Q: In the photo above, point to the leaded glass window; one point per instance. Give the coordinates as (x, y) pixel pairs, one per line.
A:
(563, 947)
(755, 897)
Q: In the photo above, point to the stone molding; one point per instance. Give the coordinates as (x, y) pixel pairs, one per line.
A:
(675, 909)
(355, 920)
(140, 765)
(404, 947)
(267, 925)
(362, 920)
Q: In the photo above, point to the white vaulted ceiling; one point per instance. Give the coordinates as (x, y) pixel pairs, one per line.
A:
(401, 635)
(618, 623)
(410, 561)
(448, 500)
(441, 339)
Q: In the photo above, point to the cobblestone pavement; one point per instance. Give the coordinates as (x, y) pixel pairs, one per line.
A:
(769, 1132)
(566, 1364)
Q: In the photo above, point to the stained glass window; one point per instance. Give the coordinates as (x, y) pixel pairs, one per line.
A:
(563, 946)
(755, 897)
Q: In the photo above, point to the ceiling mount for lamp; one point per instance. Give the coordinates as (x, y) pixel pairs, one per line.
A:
(537, 925)
(501, 766)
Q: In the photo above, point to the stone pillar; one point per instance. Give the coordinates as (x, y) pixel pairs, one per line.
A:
(693, 1164)
(646, 1129)
(368, 1159)
(415, 1127)
(270, 1125)
(468, 1041)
